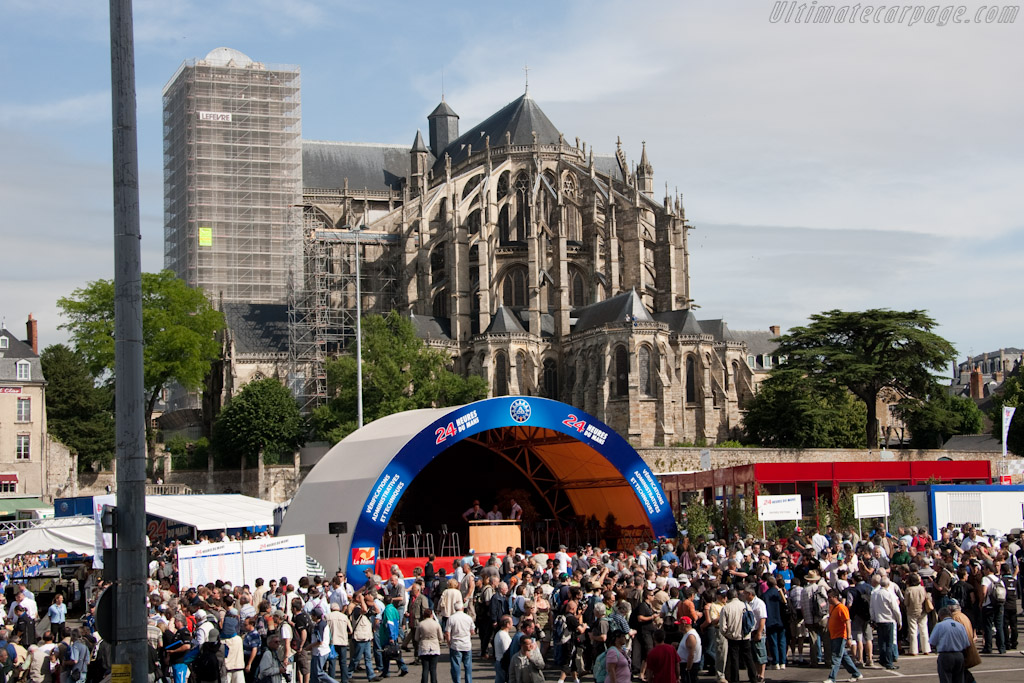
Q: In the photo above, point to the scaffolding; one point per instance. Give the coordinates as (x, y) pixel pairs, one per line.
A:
(233, 176)
(322, 312)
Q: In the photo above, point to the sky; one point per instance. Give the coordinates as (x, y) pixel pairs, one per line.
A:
(847, 165)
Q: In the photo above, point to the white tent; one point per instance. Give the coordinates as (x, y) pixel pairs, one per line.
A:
(212, 512)
(78, 537)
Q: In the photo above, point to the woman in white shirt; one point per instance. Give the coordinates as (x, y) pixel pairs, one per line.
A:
(429, 636)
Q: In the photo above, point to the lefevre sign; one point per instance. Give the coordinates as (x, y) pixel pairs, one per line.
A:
(778, 508)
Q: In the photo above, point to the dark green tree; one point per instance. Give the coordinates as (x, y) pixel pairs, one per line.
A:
(933, 421)
(78, 413)
(262, 416)
(179, 327)
(867, 351)
(1010, 394)
(399, 373)
(790, 412)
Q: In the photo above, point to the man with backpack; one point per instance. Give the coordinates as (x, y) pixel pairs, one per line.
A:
(736, 623)
(993, 603)
(815, 613)
(302, 644)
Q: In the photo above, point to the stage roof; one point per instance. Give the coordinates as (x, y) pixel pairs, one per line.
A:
(339, 485)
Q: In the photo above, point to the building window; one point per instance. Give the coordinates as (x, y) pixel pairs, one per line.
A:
(440, 304)
(24, 449)
(500, 374)
(24, 372)
(644, 361)
(4, 342)
(513, 290)
(691, 380)
(621, 371)
(551, 379)
(8, 487)
(522, 222)
(767, 361)
(752, 362)
(577, 289)
(521, 373)
(437, 268)
(24, 410)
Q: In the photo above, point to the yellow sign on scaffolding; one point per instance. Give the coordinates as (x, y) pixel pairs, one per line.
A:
(206, 237)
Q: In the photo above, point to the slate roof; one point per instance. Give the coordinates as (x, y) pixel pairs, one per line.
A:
(615, 309)
(520, 118)
(717, 329)
(682, 321)
(442, 110)
(18, 350)
(756, 341)
(326, 165)
(428, 327)
(505, 322)
(258, 328)
(973, 442)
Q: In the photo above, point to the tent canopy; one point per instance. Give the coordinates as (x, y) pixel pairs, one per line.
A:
(212, 512)
(79, 537)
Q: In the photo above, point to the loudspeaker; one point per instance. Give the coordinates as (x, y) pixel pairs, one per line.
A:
(337, 528)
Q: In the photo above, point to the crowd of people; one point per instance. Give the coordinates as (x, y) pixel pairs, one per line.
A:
(724, 610)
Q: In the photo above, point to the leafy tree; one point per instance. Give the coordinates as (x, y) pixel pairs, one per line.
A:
(790, 412)
(399, 373)
(188, 455)
(178, 332)
(932, 422)
(263, 416)
(78, 413)
(866, 352)
(697, 517)
(1011, 394)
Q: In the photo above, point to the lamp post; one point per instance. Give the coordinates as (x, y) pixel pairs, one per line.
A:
(355, 229)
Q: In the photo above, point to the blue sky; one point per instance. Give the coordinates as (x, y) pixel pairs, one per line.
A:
(823, 166)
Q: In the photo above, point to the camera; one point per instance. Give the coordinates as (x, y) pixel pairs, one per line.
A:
(286, 677)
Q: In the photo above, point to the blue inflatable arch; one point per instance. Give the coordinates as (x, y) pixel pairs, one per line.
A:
(362, 478)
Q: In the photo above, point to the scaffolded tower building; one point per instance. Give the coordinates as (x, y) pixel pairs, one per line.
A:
(233, 176)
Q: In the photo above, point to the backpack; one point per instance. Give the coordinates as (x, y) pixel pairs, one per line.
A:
(560, 632)
(819, 605)
(517, 609)
(506, 660)
(601, 667)
(998, 591)
(749, 622)
(207, 666)
(589, 613)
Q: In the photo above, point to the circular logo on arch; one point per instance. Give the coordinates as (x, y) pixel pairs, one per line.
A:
(519, 410)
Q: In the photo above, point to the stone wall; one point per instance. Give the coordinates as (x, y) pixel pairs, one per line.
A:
(669, 459)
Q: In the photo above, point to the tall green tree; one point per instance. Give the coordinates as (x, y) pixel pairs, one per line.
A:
(933, 421)
(78, 413)
(399, 373)
(179, 327)
(263, 416)
(1010, 394)
(867, 351)
(790, 412)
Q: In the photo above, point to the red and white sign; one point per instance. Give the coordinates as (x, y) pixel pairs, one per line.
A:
(1005, 479)
(10, 390)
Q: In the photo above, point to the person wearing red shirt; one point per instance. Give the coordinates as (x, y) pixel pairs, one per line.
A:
(662, 661)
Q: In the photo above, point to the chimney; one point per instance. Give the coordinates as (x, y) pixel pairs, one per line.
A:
(977, 392)
(775, 330)
(32, 329)
(998, 377)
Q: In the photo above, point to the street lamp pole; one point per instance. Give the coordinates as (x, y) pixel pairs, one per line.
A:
(359, 331)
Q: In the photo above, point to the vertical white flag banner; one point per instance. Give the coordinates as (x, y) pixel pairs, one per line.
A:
(1007, 416)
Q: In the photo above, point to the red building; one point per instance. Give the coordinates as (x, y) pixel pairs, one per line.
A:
(815, 479)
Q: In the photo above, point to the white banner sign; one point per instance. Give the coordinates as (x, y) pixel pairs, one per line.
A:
(214, 116)
(1007, 417)
(776, 508)
(242, 562)
(871, 505)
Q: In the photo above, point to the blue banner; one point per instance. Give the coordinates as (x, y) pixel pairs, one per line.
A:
(507, 411)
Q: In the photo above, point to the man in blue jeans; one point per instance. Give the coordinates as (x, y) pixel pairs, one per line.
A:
(840, 631)
(458, 634)
(885, 613)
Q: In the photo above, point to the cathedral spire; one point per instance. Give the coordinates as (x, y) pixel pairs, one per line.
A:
(645, 173)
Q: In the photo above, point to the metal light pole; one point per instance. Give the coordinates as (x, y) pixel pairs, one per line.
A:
(130, 653)
(355, 229)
